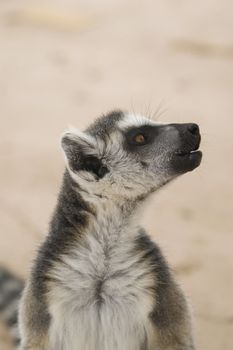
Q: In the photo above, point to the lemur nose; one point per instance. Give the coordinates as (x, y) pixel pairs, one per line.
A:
(193, 129)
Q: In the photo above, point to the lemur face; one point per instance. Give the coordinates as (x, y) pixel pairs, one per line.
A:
(127, 155)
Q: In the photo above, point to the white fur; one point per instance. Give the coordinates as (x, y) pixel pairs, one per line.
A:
(78, 322)
(137, 120)
(134, 120)
(78, 135)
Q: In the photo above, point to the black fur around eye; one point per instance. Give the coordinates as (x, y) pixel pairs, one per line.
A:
(142, 135)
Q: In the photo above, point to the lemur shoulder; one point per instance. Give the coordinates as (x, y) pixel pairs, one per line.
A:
(99, 282)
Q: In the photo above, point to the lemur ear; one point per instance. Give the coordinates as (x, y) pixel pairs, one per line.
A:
(81, 153)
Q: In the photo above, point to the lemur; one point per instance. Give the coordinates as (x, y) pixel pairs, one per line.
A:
(99, 282)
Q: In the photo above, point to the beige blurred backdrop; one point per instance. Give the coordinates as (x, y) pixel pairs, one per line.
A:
(66, 62)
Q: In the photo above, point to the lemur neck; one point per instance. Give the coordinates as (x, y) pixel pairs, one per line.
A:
(77, 212)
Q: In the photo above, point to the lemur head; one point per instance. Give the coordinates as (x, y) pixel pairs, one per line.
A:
(129, 156)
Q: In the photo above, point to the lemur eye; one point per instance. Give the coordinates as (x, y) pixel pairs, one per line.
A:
(139, 139)
(140, 136)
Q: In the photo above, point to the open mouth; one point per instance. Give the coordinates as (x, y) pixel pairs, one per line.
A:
(185, 160)
(187, 156)
(187, 153)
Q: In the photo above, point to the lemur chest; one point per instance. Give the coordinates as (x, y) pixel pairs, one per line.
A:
(102, 298)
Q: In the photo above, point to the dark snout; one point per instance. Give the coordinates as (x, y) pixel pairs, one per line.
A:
(189, 137)
(186, 157)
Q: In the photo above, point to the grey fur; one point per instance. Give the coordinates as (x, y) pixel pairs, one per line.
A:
(10, 292)
(99, 282)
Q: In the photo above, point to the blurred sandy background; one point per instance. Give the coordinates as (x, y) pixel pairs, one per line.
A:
(67, 62)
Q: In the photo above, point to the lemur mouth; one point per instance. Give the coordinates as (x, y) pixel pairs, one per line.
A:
(190, 149)
(188, 156)
(187, 153)
(186, 160)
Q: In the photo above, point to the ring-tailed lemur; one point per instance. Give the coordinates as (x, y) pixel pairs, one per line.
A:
(99, 282)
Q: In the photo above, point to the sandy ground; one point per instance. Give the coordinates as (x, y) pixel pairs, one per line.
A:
(67, 62)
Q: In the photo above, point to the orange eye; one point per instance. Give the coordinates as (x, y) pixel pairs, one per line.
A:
(140, 138)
